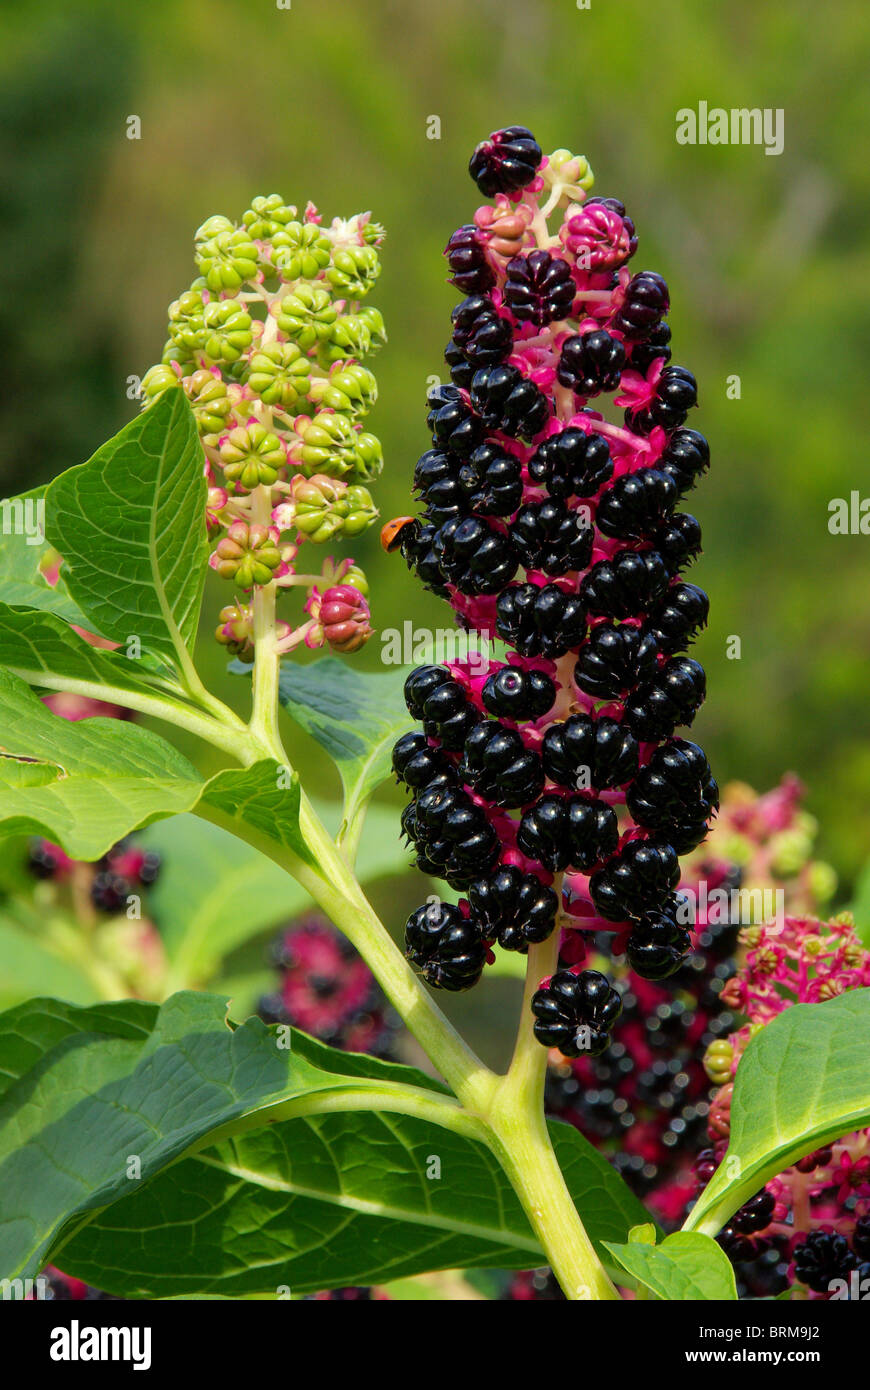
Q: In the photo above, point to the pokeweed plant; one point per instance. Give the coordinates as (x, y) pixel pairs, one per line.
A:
(155, 1151)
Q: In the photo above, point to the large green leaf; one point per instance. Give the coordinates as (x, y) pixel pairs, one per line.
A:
(802, 1082)
(215, 892)
(685, 1267)
(21, 550)
(264, 800)
(83, 784)
(356, 716)
(259, 1166)
(130, 525)
(45, 651)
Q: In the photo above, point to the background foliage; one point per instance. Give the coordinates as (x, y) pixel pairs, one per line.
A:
(767, 259)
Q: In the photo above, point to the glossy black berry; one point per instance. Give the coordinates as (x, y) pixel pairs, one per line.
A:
(43, 859)
(552, 537)
(498, 765)
(517, 693)
(679, 617)
(491, 481)
(646, 302)
(676, 394)
(576, 1013)
(630, 583)
(675, 794)
(568, 831)
(572, 464)
(614, 659)
(452, 835)
(514, 908)
(539, 288)
(588, 753)
(446, 947)
(506, 161)
(418, 548)
(636, 505)
(453, 424)
(591, 363)
(755, 1214)
(653, 347)
(685, 458)
(433, 696)
(823, 1257)
(540, 621)
(480, 331)
(639, 879)
(416, 762)
(670, 698)
(658, 944)
(678, 539)
(466, 256)
(474, 555)
(420, 684)
(508, 401)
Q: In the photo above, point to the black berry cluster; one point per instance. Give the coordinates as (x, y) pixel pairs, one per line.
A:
(552, 788)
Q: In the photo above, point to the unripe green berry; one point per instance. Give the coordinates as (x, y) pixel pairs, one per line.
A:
(300, 251)
(157, 380)
(307, 315)
(350, 337)
(354, 270)
(228, 331)
(368, 457)
(279, 374)
(251, 455)
(266, 216)
(227, 259)
(207, 393)
(328, 444)
(352, 389)
(247, 554)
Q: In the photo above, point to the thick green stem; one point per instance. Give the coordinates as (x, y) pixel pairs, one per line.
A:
(267, 662)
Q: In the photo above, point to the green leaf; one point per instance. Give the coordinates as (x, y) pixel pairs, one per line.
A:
(45, 651)
(260, 1166)
(83, 784)
(686, 1266)
(356, 716)
(265, 798)
(21, 550)
(802, 1083)
(216, 892)
(130, 525)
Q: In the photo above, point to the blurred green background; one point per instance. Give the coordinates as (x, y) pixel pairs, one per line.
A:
(766, 257)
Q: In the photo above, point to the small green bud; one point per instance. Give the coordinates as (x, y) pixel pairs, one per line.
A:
(350, 337)
(251, 455)
(307, 315)
(354, 270)
(368, 457)
(267, 216)
(228, 331)
(247, 554)
(227, 259)
(357, 510)
(300, 251)
(157, 380)
(187, 330)
(279, 374)
(352, 389)
(328, 444)
(207, 393)
(374, 320)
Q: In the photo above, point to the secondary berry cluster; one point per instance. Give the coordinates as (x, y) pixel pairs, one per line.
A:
(556, 531)
(268, 344)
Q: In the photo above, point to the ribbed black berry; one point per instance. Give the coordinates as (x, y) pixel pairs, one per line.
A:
(646, 302)
(636, 504)
(480, 331)
(506, 161)
(639, 879)
(540, 621)
(539, 288)
(823, 1257)
(568, 831)
(446, 947)
(508, 401)
(591, 363)
(576, 1012)
(588, 753)
(653, 347)
(416, 762)
(755, 1214)
(678, 539)
(474, 555)
(453, 423)
(433, 696)
(109, 891)
(630, 583)
(670, 698)
(679, 617)
(658, 944)
(452, 836)
(418, 548)
(675, 794)
(572, 464)
(614, 660)
(42, 859)
(517, 693)
(466, 256)
(514, 908)
(498, 765)
(488, 483)
(676, 394)
(685, 458)
(552, 537)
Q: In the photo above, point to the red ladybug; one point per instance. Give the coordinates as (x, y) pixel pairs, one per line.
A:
(397, 530)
